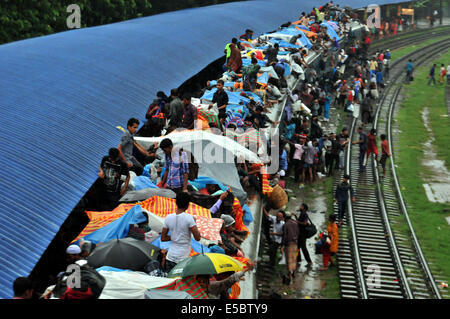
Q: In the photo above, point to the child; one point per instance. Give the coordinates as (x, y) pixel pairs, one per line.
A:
(330, 246)
(384, 153)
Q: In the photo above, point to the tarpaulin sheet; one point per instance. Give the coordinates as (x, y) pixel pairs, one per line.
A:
(163, 206)
(233, 97)
(130, 284)
(118, 228)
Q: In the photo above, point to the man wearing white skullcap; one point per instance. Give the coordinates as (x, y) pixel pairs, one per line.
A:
(73, 253)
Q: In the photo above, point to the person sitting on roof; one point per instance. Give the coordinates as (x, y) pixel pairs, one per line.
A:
(23, 288)
(181, 225)
(73, 254)
(217, 205)
(272, 53)
(250, 75)
(137, 231)
(87, 247)
(273, 93)
(247, 36)
(189, 112)
(110, 171)
(218, 289)
(230, 241)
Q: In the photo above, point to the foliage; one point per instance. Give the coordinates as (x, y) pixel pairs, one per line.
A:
(22, 19)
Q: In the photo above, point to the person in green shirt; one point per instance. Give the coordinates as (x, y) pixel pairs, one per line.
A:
(250, 74)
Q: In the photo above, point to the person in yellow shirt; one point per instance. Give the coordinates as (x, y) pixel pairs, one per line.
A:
(373, 65)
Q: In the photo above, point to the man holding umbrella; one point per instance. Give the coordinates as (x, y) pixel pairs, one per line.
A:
(180, 225)
(216, 289)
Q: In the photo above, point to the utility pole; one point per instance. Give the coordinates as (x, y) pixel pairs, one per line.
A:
(440, 12)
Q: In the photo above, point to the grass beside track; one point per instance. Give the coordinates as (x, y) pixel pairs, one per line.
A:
(428, 218)
(396, 54)
(407, 35)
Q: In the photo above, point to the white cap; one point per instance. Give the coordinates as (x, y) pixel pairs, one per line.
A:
(282, 173)
(73, 250)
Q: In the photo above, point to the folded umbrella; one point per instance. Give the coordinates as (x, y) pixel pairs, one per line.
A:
(126, 253)
(206, 264)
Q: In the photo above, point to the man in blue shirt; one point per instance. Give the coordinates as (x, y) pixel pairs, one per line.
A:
(363, 140)
(341, 197)
(379, 77)
(431, 75)
(176, 169)
(409, 71)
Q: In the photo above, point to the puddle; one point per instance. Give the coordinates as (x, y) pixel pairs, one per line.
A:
(436, 191)
(308, 283)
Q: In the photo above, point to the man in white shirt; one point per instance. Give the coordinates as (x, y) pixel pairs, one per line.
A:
(180, 225)
(276, 235)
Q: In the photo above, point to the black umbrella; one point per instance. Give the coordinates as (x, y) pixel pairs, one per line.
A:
(126, 253)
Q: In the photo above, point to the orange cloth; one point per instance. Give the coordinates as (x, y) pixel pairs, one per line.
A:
(235, 291)
(309, 34)
(332, 230)
(162, 206)
(238, 215)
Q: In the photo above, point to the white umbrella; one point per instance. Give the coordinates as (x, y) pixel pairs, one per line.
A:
(205, 146)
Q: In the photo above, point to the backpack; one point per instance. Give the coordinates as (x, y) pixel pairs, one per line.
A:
(91, 284)
(324, 239)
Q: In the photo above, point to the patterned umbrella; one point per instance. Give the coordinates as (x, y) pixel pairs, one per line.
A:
(189, 285)
(206, 264)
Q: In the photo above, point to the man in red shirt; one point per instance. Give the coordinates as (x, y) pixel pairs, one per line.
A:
(384, 153)
(372, 145)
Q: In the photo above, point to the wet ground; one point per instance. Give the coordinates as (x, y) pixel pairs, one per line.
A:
(309, 282)
(437, 187)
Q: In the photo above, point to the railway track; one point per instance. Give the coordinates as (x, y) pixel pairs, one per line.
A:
(422, 35)
(375, 260)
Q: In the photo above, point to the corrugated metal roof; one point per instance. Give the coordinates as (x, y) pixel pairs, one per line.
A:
(62, 95)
